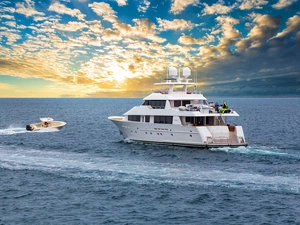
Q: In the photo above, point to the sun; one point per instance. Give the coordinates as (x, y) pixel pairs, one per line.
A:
(121, 72)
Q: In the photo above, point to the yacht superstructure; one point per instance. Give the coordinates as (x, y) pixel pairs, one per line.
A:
(180, 117)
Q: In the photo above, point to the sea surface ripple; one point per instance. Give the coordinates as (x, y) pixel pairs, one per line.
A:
(87, 174)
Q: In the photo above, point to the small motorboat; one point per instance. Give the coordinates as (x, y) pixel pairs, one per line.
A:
(45, 123)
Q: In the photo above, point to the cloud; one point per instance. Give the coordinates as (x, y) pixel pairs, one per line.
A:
(251, 4)
(71, 26)
(176, 24)
(264, 29)
(5, 86)
(90, 57)
(109, 34)
(10, 23)
(103, 9)
(143, 7)
(227, 29)
(11, 35)
(250, 69)
(143, 28)
(266, 70)
(179, 5)
(216, 9)
(132, 87)
(292, 27)
(9, 17)
(27, 9)
(121, 2)
(188, 40)
(62, 9)
(27, 67)
(283, 4)
(7, 9)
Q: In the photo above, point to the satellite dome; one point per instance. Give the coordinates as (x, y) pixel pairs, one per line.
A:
(186, 72)
(173, 71)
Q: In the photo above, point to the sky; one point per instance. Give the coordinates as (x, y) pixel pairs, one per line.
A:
(120, 48)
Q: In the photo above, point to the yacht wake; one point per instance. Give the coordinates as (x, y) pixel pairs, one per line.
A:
(258, 151)
(93, 167)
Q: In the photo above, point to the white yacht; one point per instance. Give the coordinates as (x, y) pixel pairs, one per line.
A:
(179, 117)
(45, 123)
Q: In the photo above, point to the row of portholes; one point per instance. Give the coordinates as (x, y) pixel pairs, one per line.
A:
(159, 133)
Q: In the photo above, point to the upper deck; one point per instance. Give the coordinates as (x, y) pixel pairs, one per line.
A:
(175, 99)
(176, 87)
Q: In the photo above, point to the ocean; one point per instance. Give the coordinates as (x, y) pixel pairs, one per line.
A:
(87, 174)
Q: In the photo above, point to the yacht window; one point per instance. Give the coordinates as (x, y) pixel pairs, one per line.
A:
(177, 103)
(199, 120)
(134, 118)
(189, 119)
(163, 119)
(186, 102)
(194, 120)
(156, 104)
(147, 119)
(209, 120)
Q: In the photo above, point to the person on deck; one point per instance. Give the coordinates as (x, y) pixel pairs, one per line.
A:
(224, 108)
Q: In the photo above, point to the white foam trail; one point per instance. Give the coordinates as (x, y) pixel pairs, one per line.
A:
(144, 172)
(127, 140)
(13, 130)
(256, 150)
(20, 130)
(47, 130)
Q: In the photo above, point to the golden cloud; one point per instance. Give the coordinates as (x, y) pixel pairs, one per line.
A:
(179, 5)
(188, 40)
(216, 9)
(5, 86)
(62, 9)
(176, 24)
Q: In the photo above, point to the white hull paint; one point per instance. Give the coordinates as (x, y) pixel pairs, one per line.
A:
(47, 123)
(38, 126)
(192, 136)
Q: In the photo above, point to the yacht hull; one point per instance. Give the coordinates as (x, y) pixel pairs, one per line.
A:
(190, 136)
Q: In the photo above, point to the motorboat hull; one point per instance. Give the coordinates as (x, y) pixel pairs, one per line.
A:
(40, 126)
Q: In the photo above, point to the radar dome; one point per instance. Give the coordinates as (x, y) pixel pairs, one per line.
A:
(186, 72)
(173, 71)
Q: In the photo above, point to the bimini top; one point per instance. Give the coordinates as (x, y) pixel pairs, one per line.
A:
(46, 119)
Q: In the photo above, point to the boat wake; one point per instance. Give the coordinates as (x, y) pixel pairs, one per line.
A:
(93, 167)
(52, 129)
(20, 130)
(258, 151)
(13, 130)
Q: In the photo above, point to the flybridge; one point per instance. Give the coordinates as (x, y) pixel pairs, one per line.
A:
(175, 79)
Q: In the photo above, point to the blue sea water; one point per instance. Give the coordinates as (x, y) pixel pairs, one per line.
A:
(86, 174)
